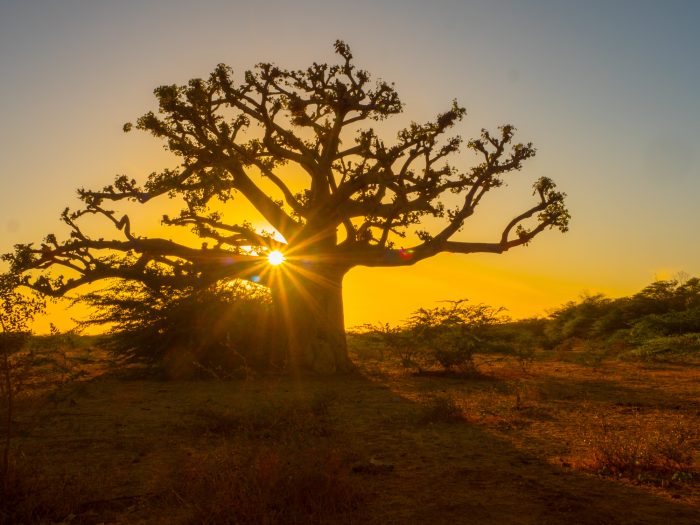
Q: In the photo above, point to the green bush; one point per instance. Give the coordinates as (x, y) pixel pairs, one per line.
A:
(658, 322)
(447, 336)
(670, 323)
(668, 348)
(594, 315)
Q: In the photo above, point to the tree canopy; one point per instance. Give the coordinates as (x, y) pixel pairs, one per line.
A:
(363, 197)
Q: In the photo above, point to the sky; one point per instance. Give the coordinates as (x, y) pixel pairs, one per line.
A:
(609, 93)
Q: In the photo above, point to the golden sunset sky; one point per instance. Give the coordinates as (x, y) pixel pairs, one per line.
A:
(607, 91)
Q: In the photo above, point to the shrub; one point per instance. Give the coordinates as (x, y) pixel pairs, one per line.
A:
(519, 339)
(16, 313)
(448, 336)
(442, 409)
(644, 450)
(577, 320)
(373, 340)
(669, 348)
(670, 323)
(597, 316)
(655, 320)
(221, 328)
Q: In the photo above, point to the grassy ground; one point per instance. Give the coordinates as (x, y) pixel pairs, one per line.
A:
(543, 443)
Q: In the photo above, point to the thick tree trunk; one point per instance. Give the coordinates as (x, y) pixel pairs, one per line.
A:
(310, 328)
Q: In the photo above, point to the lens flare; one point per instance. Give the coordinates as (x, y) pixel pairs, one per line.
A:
(276, 258)
(406, 255)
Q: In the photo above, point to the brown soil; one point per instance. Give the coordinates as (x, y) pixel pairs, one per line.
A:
(521, 448)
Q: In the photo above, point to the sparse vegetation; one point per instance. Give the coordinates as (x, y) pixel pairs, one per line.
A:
(35, 368)
(446, 336)
(218, 331)
(365, 448)
(266, 484)
(274, 450)
(275, 466)
(654, 451)
(661, 323)
(16, 312)
(442, 409)
(269, 422)
(39, 493)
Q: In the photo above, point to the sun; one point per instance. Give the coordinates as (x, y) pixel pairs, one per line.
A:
(276, 258)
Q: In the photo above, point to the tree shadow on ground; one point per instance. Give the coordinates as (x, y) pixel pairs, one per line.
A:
(462, 473)
(437, 471)
(610, 391)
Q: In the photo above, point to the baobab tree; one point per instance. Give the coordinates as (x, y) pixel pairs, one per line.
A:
(298, 145)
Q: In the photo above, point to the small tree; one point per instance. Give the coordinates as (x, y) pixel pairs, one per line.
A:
(451, 335)
(357, 201)
(219, 327)
(16, 313)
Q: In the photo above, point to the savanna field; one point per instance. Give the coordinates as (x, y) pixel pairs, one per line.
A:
(308, 263)
(459, 415)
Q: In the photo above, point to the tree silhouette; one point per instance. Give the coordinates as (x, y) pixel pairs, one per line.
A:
(361, 196)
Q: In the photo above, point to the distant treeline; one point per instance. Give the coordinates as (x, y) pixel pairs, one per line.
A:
(661, 321)
(225, 329)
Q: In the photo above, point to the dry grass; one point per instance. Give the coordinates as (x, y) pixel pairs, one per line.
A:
(654, 450)
(619, 420)
(38, 492)
(442, 409)
(557, 442)
(266, 484)
(270, 464)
